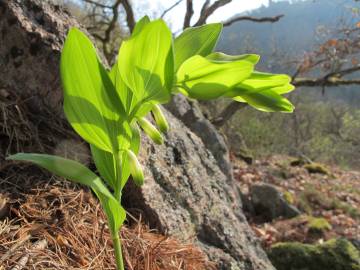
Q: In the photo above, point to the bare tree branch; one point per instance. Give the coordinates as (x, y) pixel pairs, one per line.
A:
(97, 4)
(323, 82)
(208, 10)
(227, 113)
(253, 19)
(130, 18)
(170, 8)
(189, 13)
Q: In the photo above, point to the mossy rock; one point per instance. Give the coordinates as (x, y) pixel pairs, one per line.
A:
(335, 254)
(318, 225)
(316, 168)
(288, 197)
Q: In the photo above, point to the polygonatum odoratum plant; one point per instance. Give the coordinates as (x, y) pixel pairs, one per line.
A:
(107, 108)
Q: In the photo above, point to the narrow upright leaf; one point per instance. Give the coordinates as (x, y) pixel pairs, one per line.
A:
(90, 101)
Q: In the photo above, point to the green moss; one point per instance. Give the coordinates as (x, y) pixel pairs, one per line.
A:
(316, 168)
(318, 225)
(311, 199)
(288, 197)
(334, 254)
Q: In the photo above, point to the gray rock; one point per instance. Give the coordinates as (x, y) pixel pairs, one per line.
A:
(269, 202)
(189, 113)
(186, 194)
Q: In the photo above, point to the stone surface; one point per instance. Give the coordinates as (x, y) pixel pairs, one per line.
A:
(270, 203)
(188, 193)
(32, 33)
(190, 114)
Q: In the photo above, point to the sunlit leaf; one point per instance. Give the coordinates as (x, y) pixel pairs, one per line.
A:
(258, 81)
(78, 173)
(196, 41)
(146, 60)
(90, 102)
(202, 78)
(268, 101)
(222, 57)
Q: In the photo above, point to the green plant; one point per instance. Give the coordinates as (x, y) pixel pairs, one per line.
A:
(106, 107)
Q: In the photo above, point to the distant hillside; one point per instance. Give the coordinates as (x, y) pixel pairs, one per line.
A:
(289, 38)
(294, 33)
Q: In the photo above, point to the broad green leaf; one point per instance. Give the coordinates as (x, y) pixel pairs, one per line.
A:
(124, 92)
(78, 173)
(160, 119)
(258, 81)
(222, 57)
(202, 78)
(145, 62)
(90, 101)
(196, 41)
(150, 130)
(268, 101)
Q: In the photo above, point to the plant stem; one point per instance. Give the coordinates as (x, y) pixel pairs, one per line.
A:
(118, 251)
(118, 176)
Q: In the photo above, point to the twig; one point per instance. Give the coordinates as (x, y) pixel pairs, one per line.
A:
(253, 19)
(189, 13)
(13, 248)
(170, 8)
(38, 245)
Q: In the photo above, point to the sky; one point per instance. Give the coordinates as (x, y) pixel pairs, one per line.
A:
(176, 17)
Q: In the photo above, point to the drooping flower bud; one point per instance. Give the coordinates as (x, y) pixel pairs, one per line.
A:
(150, 130)
(135, 168)
(160, 119)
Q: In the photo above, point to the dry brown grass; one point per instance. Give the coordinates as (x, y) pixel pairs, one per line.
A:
(70, 219)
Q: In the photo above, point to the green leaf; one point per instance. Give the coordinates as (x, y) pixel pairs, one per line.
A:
(140, 25)
(90, 101)
(160, 119)
(222, 57)
(150, 130)
(146, 62)
(268, 101)
(106, 162)
(196, 41)
(202, 78)
(78, 173)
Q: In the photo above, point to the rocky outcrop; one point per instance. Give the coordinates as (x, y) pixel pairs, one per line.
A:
(188, 193)
(270, 203)
(190, 114)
